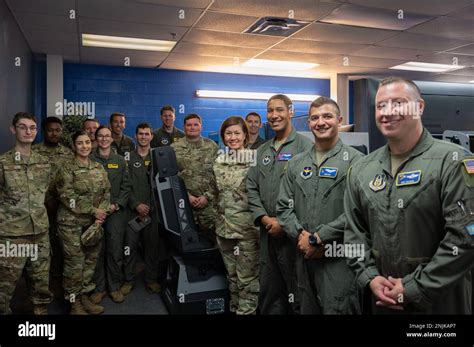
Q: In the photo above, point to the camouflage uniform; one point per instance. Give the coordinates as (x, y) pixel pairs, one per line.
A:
(56, 155)
(163, 138)
(23, 220)
(237, 237)
(195, 160)
(110, 263)
(139, 169)
(124, 145)
(82, 188)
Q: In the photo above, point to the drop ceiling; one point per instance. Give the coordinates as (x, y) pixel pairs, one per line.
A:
(353, 37)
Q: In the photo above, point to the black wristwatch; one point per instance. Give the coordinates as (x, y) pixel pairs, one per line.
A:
(313, 240)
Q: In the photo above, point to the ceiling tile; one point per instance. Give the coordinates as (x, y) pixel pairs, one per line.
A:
(302, 9)
(365, 62)
(342, 33)
(119, 55)
(468, 71)
(427, 7)
(274, 54)
(455, 28)
(446, 58)
(51, 48)
(309, 46)
(466, 13)
(189, 58)
(50, 7)
(452, 78)
(424, 42)
(392, 53)
(212, 50)
(225, 22)
(230, 39)
(35, 21)
(128, 11)
(202, 4)
(49, 37)
(467, 49)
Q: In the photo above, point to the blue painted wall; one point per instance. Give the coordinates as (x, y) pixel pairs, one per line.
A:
(140, 93)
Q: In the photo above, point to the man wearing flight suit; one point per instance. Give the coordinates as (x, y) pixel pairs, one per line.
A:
(254, 122)
(141, 205)
(122, 143)
(57, 153)
(411, 204)
(196, 156)
(168, 133)
(25, 177)
(109, 271)
(278, 291)
(310, 208)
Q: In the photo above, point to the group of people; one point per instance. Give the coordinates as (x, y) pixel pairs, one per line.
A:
(303, 227)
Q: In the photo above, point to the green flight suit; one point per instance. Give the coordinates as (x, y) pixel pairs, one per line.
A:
(24, 223)
(163, 138)
(415, 226)
(124, 145)
(195, 161)
(139, 169)
(82, 189)
(109, 272)
(278, 290)
(311, 198)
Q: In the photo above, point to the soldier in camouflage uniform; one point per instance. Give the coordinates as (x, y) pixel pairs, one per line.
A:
(90, 126)
(25, 176)
(57, 153)
(195, 156)
(237, 237)
(84, 192)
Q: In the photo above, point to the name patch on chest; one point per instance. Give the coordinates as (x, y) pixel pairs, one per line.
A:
(112, 166)
(284, 156)
(147, 162)
(328, 172)
(408, 178)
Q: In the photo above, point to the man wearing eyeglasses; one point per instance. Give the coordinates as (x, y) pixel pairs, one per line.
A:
(56, 152)
(25, 177)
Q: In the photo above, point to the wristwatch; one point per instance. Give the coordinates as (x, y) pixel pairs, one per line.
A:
(313, 240)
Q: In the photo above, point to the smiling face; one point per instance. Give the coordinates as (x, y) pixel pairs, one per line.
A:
(192, 128)
(324, 122)
(144, 137)
(254, 123)
(234, 137)
(397, 110)
(278, 115)
(82, 146)
(104, 138)
(25, 131)
(118, 124)
(168, 117)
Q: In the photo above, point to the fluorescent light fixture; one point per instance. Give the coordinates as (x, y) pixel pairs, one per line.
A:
(471, 81)
(223, 94)
(104, 41)
(427, 67)
(278, 64)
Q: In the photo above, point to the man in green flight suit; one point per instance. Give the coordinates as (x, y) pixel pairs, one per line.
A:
(122, 143)
(278, 290)
(310, 208)
(411, 204)
(196, 156)
(25, 177)
(168, 133)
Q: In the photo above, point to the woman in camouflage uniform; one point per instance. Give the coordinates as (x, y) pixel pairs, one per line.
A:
(237, 237)
(84, 193)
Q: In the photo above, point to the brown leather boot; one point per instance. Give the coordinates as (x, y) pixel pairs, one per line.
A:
(77, 309)
(90, 307)
(117, 296)
(126, 288)
(97, 297)
(40, 309)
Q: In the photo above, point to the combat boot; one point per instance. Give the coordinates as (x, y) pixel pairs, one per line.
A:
(40, 309)
(117, 296)
(97, 297)
(126, 288)
(77, 309)
(153, 287)
(90, 307)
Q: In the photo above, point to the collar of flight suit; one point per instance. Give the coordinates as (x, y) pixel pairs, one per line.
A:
(424, 143)
(331, 153)
(289, 139)
(172, 133)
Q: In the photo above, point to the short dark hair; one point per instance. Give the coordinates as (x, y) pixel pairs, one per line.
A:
(235, 120)
(284, 98)
(51, 120)
(143, 126)
(77, 134)
(23, 115)
(116, 114)
(90, 120)
(167, 108)
(191, 116)
(101, 128)
(255, 114)
(323, 100)
(395, 79)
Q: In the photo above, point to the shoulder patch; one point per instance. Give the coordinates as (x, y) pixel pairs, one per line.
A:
(469, 165)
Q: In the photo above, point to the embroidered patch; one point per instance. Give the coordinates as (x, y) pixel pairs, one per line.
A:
(266, 160)
(164, 141)
(470, 229)
(284, 156)
(408, 178)
(112, 166)
(378, 182)
(147, 162)
(469, 165)
(137, 164)
(307, 172)
(329, 172)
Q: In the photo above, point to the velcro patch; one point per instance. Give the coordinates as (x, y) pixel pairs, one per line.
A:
(408, 178)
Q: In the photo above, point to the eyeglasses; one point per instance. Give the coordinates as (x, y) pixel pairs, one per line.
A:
(23, 127)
